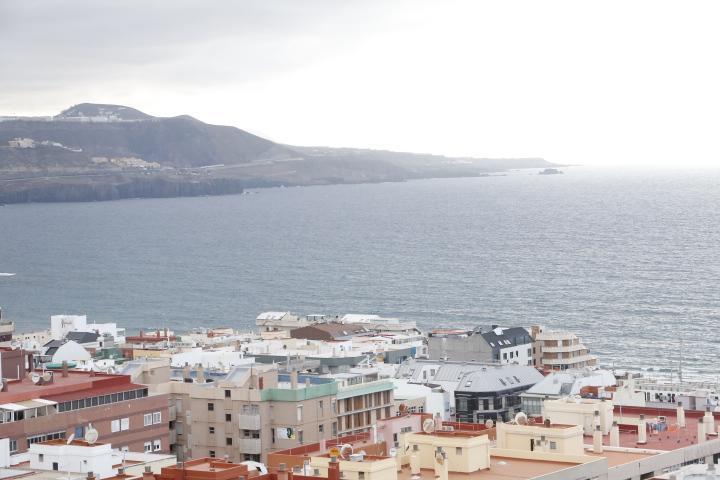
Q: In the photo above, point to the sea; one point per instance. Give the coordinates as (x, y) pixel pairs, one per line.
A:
(627, 259)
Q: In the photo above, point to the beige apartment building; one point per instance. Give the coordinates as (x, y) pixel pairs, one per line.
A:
(251, 411)
(360, 406)
(559, 350)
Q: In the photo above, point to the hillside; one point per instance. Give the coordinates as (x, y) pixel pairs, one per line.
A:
(98, 152)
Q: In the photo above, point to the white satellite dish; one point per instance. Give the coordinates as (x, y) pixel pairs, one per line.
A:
(35, 378)
(91, 435)
(260, 467)
(47, 376)
(393, 452)
(521, 418)
(428, 425)
(70, 438)
(489, 423)
(346, 450)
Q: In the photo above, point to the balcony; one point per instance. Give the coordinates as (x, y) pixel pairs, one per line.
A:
(564, 348)
(249, 422)
(172, 413)
(250, 445)
(589, 359)
(172, 438)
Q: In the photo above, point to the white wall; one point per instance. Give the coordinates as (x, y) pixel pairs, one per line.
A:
(60, 325)
(519, 354)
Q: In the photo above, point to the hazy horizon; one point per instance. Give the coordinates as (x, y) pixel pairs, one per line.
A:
(617, 84)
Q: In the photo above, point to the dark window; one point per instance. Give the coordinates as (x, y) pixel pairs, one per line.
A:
(211, 407)
(228, 440)
(228, 417)
(227, 393)
(211, 453)
(211, 429)
(55, 465)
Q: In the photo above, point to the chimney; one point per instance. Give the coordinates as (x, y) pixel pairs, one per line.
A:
(199, 373)
(414, 466)
(680, 415)
(615, 435)
(186, 373)
(709, 421)
(64, 369)
(642, 431)
(333, 469)
(596, 418)
(441, 465)
(282, 473)
(597, 440)
(148, 475)
(701, 431)
(293, 379)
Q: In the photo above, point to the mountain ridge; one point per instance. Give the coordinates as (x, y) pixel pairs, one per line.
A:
(108, 151)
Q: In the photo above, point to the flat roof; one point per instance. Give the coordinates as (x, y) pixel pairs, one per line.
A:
(672, 438)
(616, 458)
(501, 468)
(75, 385)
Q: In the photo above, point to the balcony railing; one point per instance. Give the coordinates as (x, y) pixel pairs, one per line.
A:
(250, 445)
(249, 422)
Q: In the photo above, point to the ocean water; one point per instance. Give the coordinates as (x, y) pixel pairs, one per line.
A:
(630, 260)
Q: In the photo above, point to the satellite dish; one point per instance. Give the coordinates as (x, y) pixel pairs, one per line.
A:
(70, 438)
(489, 423)
(260, 467)
(521, 418)
(91, 435)
(346, 450)
(440, 457)
(393, 452)
(35, 378)
(47, 376)
(428, 425)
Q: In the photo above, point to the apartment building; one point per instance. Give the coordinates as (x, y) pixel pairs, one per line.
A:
(250, 411)
(559, 350)
(40, 406)
(362, 400)
(495, 344)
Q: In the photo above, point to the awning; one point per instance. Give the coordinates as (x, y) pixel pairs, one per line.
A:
(27, 404)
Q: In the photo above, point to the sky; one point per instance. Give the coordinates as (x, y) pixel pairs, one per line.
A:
(605, 83)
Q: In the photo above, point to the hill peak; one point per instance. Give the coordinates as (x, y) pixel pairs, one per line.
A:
(103, 111)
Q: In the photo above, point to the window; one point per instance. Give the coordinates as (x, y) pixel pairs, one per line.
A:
(211, 453)
(211, 407)
(115, 426)
(361, 475)
(320, 404)
(157, 446)
(334, 429)
(148, 447)
(334, 405)
(227, 393)
(211, 429)
(553, 446)
(228, 417)
(299, 413)
(458, 451)
(228, 440)
(157, 417)
(147, 419)
(416, 448)
(504, 355)
(125, 423)
(300, 436)
(41, 457)
(321, 428)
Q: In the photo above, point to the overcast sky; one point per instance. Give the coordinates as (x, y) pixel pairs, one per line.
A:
(634, 83)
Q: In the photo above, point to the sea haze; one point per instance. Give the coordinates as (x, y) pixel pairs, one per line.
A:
(629, 260)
